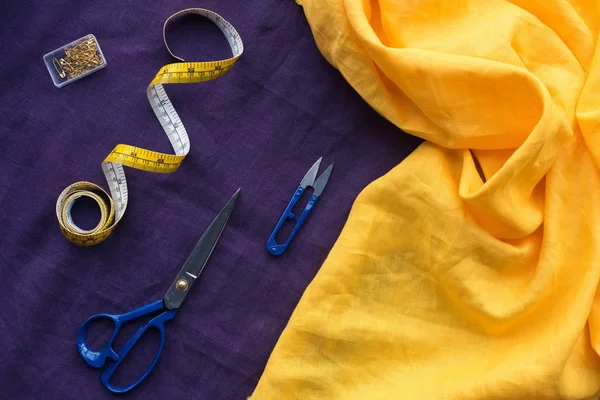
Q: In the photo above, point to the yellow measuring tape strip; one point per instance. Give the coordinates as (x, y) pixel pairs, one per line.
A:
(112, 208)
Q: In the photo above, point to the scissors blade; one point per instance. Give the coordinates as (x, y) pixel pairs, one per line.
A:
(193, 266)
(321, 181)
(311, 174)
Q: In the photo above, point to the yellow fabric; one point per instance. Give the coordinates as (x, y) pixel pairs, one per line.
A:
(444, 284)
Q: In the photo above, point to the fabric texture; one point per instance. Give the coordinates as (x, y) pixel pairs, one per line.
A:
(448, 282)
(260, 127)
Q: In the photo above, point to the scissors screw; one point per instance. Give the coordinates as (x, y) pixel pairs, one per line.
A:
(182, 285)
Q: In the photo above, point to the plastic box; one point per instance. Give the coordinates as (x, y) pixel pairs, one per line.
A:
(60, 53)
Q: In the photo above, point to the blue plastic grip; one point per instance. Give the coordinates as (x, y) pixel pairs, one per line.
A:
(157, 323)
(99, 358)
(278, 249)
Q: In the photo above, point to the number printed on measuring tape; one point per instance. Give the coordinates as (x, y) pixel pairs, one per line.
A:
(113, 206)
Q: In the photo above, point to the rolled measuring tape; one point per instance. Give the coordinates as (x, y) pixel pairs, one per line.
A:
(113, 206)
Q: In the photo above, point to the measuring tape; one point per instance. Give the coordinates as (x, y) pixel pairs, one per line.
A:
(112, 208)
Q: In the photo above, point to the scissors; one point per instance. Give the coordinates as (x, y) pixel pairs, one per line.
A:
(318, 185)
(167, 306)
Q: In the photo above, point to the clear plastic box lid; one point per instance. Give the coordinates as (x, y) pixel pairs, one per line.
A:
(75, 60)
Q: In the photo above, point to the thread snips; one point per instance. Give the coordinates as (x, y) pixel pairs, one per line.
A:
(309, 180)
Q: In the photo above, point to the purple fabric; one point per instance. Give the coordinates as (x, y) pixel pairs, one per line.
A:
(260, 127)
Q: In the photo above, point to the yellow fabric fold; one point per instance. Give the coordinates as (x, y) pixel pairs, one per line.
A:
(449, 282)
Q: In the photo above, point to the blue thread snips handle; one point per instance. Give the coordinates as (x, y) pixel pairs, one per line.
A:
(318, 184)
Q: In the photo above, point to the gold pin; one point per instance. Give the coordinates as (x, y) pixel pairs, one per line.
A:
(58, 68)
(79, 59)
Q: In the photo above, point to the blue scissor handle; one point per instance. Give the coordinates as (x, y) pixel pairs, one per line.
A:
(157, 323)
(98, 358)
(278, 249)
